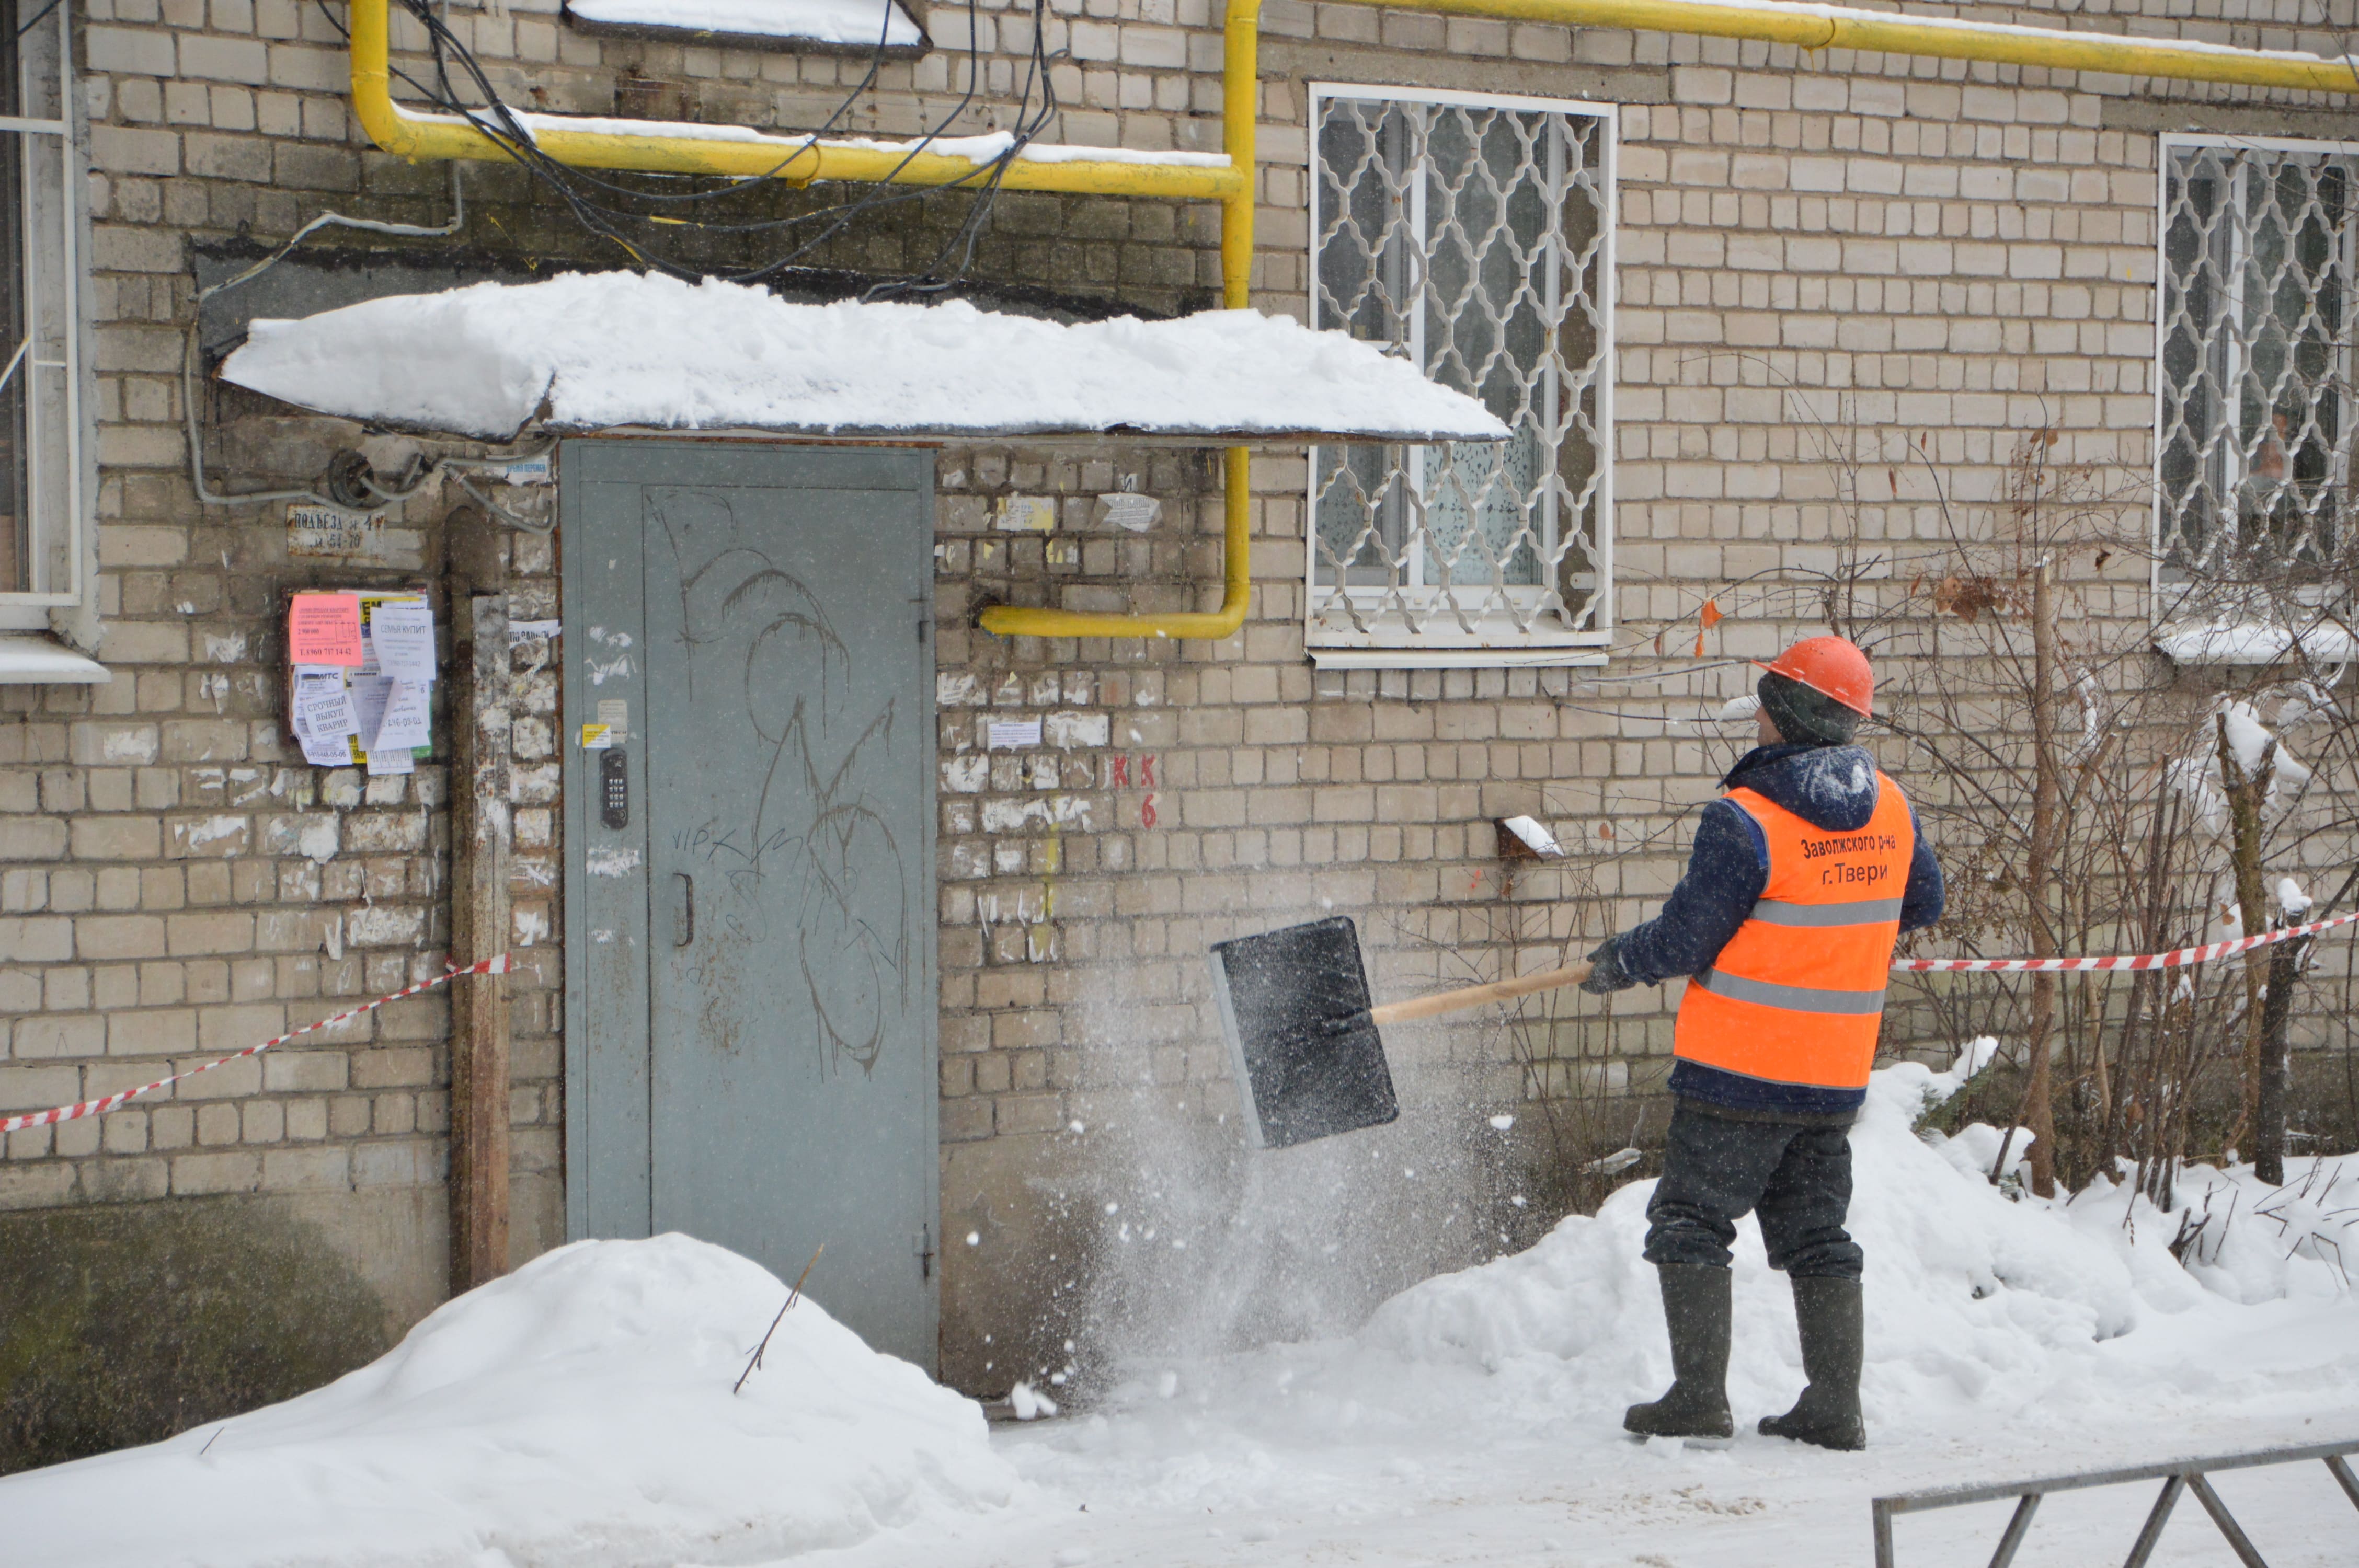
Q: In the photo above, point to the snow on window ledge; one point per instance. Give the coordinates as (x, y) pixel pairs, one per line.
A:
(29, 659)
(851, 26)
(2236, 643)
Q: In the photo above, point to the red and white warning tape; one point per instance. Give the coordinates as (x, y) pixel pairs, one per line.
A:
(2171, 960)
(500, 965)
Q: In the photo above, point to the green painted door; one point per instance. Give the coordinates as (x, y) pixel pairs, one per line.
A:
(750, 953)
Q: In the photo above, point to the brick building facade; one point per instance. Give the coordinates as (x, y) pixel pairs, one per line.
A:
(1846, 290)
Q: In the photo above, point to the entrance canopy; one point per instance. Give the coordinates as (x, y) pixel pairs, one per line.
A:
(602, 350)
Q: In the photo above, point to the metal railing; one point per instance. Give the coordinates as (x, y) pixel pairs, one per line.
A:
(2177, 1475)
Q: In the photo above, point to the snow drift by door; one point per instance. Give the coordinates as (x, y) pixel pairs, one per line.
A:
(749, 933)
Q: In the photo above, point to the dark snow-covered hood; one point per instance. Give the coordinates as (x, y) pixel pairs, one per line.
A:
(1829, 787)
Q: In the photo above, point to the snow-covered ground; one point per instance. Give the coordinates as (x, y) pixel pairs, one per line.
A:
(1476, 1418)
(578, 1413)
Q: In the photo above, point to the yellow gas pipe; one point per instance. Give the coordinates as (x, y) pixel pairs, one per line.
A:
(731, 151)
(417, 135)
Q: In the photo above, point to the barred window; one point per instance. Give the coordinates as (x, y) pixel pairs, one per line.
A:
(2254, 466)
(1473, 235)
(40, 477)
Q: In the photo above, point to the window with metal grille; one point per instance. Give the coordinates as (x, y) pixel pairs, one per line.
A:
(2257, 413)
(1471, 235)
(40, 410)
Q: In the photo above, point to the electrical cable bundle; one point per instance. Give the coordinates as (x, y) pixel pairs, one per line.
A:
(592, 200)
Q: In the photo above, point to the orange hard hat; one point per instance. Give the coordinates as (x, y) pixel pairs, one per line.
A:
(1830, 665)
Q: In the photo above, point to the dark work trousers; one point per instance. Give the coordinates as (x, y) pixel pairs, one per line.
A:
(1716, 1168)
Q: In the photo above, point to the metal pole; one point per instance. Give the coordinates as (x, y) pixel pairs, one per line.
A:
(2016, 1529)
(2342, 1468)
(2237, 1541)
(2155, 1519)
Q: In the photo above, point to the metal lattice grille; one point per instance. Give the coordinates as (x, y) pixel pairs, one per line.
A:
(1475, 239)
(2253, 467)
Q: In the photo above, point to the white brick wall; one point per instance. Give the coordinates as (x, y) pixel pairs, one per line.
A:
(1848, 289)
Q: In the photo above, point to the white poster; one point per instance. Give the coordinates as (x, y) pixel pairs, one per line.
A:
(324, 720)
(397, 761)
(407, 720)
(404, 638)
(370, 694)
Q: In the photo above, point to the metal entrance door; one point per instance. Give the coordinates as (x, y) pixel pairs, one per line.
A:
(749, 862)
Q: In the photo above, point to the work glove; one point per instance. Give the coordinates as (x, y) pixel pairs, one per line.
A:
(1606, 975)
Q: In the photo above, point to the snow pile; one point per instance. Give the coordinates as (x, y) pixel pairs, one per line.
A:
(1978, 1303)
(576, 1411)
(2248, 1241)
(845, 22)
(1477, 1416)
(596, 350)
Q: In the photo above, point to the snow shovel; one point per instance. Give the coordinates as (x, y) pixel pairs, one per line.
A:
(1303, 1038)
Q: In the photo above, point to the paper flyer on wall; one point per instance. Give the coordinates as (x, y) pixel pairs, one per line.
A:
(402, 637)
(370, 694)
(369, 698)
(324, 722)
(407, 720)
(323, 629)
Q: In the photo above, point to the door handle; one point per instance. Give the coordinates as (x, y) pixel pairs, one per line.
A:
(683, 913)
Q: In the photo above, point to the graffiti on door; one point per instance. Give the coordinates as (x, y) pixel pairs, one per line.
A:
(814, 876)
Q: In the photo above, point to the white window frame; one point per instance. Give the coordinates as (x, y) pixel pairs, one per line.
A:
(57, 485)
(1395, 646)
(2163, 589)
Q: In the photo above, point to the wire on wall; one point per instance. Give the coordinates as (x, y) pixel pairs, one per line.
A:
(619, 213)
(429, 466)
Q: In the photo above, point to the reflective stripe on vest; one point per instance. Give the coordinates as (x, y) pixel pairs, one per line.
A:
(1793, 998)
(1866, 912)
(1797, 995)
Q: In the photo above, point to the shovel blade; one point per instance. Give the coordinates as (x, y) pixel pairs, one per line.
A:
(1294, 1007)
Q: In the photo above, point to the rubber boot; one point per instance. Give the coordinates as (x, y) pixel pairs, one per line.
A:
(1834, 1341)
(1696, 1307)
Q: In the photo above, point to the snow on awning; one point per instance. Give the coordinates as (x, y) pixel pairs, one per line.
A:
(851, 24)
(598, 350)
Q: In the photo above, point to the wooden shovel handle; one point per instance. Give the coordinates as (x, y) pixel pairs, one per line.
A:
(1475, 996)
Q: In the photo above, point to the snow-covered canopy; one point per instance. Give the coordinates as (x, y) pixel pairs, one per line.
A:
(850, 23)
(599, 351)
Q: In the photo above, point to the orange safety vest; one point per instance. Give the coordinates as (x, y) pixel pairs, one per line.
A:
(1798, 994)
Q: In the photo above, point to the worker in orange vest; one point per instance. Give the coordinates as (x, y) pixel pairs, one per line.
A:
(1803, 876)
